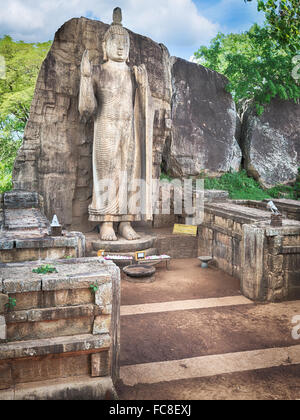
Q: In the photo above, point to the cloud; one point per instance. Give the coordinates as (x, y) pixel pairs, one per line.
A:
(233, 15)
(176, 23)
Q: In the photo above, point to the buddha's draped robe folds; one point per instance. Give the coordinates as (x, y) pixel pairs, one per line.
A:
(122, 147)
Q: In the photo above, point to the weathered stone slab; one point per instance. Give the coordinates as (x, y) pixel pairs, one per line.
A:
(82, 388)
(48, 367)
(22, 200)
(100, 364)
(51, 314)
(83, 281)
(103, 298)
(3, 329)
(22, 286)
(3, 302)
(5, 376)
(21, 331)
(102, 324)
(6, 243)
(25, 219)
(57, 345)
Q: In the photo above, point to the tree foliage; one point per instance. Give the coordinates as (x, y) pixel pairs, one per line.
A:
(22, 64)
(283, 17)
(257, 66)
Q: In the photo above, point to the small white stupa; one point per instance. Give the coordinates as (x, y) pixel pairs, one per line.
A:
(55, 222)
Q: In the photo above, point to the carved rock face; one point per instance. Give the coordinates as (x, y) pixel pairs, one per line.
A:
(117, 47)
(56, 156)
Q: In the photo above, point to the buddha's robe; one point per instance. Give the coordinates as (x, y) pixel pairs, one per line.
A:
(122, 147)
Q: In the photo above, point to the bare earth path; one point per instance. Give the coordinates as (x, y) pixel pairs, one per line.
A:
(191, 335)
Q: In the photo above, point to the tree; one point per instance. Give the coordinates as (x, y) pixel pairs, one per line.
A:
(283, 18)
(22, 65)
(258, 67)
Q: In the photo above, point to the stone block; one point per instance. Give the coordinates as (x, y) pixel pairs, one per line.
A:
(57, 345)
(102, 324)
(50, 367)
(21, 286)
(58, 328)
(100, 364)
(67, 297)
(3, 329)
(27, 300)
(21, 200)
(5, 376)
(103, 298)
(3, 303)
(78, 281)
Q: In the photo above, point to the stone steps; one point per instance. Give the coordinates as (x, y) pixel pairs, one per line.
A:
(59, 357)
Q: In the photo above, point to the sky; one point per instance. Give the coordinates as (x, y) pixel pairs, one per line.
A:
(181, 25)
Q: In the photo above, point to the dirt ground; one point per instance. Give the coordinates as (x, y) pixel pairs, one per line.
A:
(279, 383)
(182, 334)
(183, 280)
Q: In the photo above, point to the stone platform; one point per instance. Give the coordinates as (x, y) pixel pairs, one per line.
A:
(59, 329)
(122, 245)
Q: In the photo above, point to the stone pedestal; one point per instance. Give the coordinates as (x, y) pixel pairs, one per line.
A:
(122, 246)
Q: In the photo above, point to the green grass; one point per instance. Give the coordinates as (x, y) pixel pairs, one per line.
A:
(242, 187)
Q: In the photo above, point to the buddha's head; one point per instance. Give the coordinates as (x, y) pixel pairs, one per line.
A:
(116, 40)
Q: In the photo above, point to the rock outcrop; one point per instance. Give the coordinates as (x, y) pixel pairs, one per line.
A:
(56, 156)
(204, 123)
(271, 143)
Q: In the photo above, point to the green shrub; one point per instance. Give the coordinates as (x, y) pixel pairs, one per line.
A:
(44, 269)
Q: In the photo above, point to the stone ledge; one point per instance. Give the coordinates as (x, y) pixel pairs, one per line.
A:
(19, 286)
(290, 250)
(224, 231)
(56, 345)
(51, 314)
(78, 388)
(236, 214)
(75, 274)
(21, 200)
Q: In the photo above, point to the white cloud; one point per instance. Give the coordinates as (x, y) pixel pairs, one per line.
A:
(176, 23)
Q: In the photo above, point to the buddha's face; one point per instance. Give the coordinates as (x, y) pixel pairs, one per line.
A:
(117, 47)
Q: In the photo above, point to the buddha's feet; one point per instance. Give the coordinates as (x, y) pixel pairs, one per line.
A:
(126, 230)
(107, 232)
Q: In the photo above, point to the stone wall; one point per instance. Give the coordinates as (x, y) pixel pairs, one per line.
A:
(60, 330)
(56, 156)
